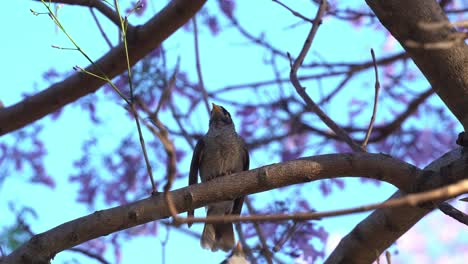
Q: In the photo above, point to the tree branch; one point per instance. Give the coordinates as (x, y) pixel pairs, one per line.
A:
(311, 105)
(43, 247)
(380, 229)
(445, 69)
(100, 5)
(142, 41)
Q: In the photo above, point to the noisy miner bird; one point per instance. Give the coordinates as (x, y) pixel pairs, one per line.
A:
(237, 256)
(220, 152)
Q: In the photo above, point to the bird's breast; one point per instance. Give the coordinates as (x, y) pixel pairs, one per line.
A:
(221, 156)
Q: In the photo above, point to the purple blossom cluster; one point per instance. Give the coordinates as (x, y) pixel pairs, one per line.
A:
(25, 153)
(295, 239)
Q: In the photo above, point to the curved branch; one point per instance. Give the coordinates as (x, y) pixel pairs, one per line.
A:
(44, 246)
(445, 69)
(142, 41)
(380, 229)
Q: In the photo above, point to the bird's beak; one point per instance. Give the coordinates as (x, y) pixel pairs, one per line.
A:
(216, 110)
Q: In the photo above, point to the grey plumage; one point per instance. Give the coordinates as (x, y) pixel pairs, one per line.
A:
(220, 152)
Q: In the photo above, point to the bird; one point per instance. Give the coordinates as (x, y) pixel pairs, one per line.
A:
(237, 256)
(221, 151)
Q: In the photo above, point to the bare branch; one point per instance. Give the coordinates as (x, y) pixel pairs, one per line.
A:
(264, 250)
(201, 83)
(414, 200)
(103, 33)
(381, 228)
(453, 212)
(445, 69)
(376, 99)
(295, 13)
(100, 5)
(144, 40)
(301, 90)
(43, 246)
(90, 254)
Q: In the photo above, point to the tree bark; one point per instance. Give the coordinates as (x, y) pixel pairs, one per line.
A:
(141, 41)
(42, 247)
(384, 226)
(447, 71)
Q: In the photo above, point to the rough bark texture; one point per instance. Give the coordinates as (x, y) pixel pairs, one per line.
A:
(141, 41)
(447, 71)
(44, 246)
(447, 68)
(380, 229)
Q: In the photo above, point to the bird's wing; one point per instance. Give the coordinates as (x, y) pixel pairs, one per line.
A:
(245, 157)
(237, 208)
(194, 167)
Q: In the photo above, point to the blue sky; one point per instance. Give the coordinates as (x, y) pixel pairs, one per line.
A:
(27, 53)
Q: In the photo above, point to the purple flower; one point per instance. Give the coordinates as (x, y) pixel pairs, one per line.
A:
(227, 7)
(51, 75)
(213, 25)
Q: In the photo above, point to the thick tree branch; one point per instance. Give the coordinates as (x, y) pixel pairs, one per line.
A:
(44, 246)
(378, 166)
(143, 40)
(380, 229)
(445, 69)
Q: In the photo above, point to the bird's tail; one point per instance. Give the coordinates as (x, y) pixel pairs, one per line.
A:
(217, 236)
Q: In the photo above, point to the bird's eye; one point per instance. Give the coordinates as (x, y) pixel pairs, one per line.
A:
(225, 112)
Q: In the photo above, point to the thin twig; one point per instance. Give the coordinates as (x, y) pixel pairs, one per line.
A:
(166, 94)
(163, 245)
(446, 192)
(265, 250)
(123, 29)
(168, 145)
(301, 90)
(163, 136)
(453, 212)
(98, 24)
(245, 246)
(100, 5)
(201, 83)
(295, 13)
(388, 256)
(143, 147)
(102, 75)
(376, 100)
(174, 110)
(286, 236)
(90, 254)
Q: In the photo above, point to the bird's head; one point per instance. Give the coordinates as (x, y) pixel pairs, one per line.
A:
(220, 118)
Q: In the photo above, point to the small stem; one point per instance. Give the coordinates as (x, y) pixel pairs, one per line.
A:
(376, 100)
(198, 65)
